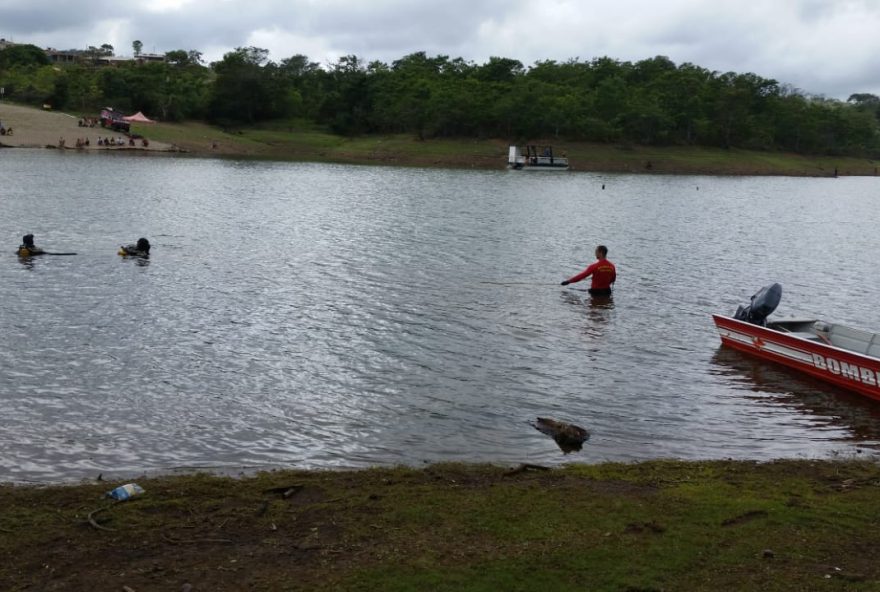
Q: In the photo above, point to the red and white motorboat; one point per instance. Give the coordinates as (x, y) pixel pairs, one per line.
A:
(847, 357)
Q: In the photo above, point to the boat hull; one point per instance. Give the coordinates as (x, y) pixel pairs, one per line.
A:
(538, 167)
(535, 158)
(846, 369)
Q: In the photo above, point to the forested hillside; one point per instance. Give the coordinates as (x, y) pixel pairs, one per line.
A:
(649, 102)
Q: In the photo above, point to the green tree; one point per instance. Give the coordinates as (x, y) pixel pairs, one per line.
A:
(116, 88)
(500, 70)
(307, 83)
(82, 89)
(866, 102)
(248, 88)
(22, 55)
(682, 94)
(184, 58)
(347, 103)
(651, 101)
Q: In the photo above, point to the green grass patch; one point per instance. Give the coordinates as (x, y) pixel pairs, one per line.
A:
(663, 525)
(302, 141)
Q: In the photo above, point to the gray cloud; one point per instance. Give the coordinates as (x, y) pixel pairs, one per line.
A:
(819, 46)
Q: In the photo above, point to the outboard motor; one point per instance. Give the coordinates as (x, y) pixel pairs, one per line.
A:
(763, 304)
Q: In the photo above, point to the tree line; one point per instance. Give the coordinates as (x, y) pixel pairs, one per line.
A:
(649, 102)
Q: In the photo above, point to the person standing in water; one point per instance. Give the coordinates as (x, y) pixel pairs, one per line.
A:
(602, 271)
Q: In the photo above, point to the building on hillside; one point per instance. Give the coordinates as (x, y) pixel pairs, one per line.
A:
(62, 57)
(150, 57)
(140, 59)
(73, 56)
(109, 60)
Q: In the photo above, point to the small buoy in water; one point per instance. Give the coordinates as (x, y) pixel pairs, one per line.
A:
(603, 185)
(569, 437)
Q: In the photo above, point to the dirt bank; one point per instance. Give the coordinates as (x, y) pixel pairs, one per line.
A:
(33, 128)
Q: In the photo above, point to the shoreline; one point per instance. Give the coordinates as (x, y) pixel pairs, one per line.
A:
(703, 526)
(35, 128)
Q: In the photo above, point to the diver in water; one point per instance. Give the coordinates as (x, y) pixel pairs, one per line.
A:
(27, 247)
(141, 249)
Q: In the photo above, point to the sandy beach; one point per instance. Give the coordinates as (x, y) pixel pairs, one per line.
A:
(33, 128)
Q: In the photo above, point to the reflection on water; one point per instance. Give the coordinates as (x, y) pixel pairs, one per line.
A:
(597, 310)
(773, 384)
(314, 315)
(27, 262)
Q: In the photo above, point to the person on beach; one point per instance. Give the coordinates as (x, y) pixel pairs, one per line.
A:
(140, 249)
(603, 272)
(27, 247)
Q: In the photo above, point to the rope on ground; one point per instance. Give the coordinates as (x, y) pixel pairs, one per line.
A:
(95, 524)
(525, 467)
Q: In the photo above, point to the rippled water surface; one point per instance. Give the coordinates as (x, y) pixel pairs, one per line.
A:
(313, 315)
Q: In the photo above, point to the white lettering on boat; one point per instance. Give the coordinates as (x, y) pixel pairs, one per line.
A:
(851, 371)
(833, 366)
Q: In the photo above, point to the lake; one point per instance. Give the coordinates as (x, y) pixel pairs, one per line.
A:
(323, 316)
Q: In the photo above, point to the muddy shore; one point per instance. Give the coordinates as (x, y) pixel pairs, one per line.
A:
(652, 526)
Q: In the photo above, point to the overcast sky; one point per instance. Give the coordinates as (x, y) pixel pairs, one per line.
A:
(823, 47)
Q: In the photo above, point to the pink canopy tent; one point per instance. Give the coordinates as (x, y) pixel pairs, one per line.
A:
(138, 118)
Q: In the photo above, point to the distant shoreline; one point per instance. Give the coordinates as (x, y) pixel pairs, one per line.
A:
(35, 128)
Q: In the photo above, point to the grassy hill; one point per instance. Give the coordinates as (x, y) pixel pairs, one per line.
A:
(296, 142)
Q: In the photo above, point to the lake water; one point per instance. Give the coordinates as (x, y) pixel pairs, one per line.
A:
(319, 316)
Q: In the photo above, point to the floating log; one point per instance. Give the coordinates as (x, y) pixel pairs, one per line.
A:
(569, 437)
